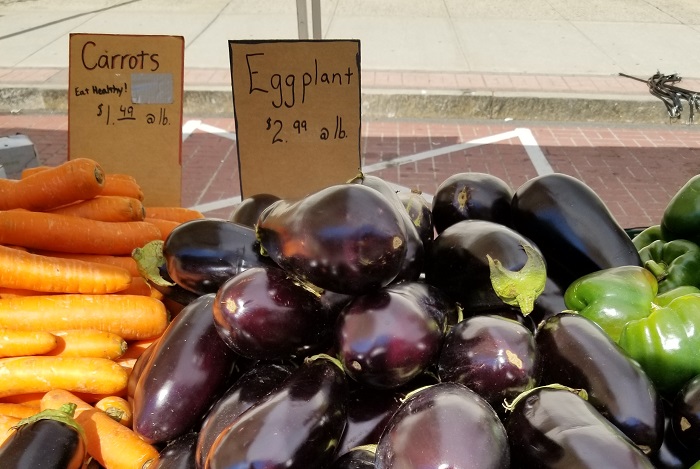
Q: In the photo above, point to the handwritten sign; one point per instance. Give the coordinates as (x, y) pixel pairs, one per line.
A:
(297, 113)
(125, 108)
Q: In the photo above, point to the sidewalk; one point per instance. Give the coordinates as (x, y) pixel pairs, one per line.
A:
(556, 60)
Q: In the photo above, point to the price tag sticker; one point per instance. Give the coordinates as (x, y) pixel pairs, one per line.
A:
(297, 114)
(125, 108)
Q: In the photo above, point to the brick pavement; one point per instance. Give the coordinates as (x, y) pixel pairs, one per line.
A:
(634, 169)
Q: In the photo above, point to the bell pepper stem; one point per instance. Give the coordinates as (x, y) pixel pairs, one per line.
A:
(659, 270)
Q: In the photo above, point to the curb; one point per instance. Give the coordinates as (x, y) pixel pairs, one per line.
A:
(383, 104)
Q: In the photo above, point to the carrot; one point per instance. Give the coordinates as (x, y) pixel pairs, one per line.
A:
(41, 374)
(105, 208)
(125, 262)
(180, 214)
(136, 347)
(54, 232)
(14, 343)
(15, 292)
(18, 410)
(123, 185)
(88, 343)
(30, 399)
(34, 169)
(116, 407)
(28, 271)
(7, 427)
(132, 317)
(78, 179)
(138, 286)
(165, 226)
(113, 445)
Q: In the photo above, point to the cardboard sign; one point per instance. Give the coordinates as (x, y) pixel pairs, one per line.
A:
(297, 113)
(125, 108)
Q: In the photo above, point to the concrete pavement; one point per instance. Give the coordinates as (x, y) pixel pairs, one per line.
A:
(539, 60)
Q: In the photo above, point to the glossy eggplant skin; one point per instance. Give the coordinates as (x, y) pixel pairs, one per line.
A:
(247, 211)
(558, 429)
(264, 314)
(187, 371)
(246, 391)
(471, 196)
(432, 299)
(573, 227)
(385, 338)
(421, 214)
(491, 355)
(44, 443)
(685, 415)
(297, 426)
(347, 238)
(673, 454)
(575, 352)
(202, 254)
(444, 425)
(358, 458)
(457, 263)
(178, 454)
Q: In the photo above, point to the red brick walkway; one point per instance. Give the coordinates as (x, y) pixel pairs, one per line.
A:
(634, 169)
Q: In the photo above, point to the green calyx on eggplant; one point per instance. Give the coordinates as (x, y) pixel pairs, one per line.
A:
(346, 238)
(572, 226)
(420, 212)
(483, 265)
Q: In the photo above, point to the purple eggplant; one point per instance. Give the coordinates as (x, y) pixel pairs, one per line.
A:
(572, 226)
(555, 427)
(432, 299)
(491, 355)
(202, 254)
(356, 458)
(297, 426)
(178, 454)
(247, 211)
(347, 238)
(685, 414)
(139, 365)
(265, 314)
(187, 371)
(576, 352)
(421, 214)
(482, 265)
(471, 196)
(673, 454)
(444, 425)
(246, 391)
(386, 338)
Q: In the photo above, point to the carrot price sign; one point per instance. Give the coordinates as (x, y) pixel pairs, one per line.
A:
(125, 108)
(297, 112)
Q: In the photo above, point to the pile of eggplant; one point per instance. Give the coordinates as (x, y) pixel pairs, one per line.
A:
(358, 327)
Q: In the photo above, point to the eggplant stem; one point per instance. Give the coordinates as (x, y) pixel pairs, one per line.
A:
(149, 259)
(519, 288)
(510, 406)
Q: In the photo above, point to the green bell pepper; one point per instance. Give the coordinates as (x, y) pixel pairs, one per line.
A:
(674, 263)
(647, 236)
(681, 218)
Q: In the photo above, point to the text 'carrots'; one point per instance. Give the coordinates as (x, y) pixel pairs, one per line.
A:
(24, 270)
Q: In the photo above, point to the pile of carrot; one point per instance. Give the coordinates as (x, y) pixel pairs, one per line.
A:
(75, 312)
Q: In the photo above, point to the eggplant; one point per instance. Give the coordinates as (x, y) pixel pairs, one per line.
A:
(555, 427)
(673, 454)
(178, 454)
(576, 352)
(491, 355)
(573, 227)
(246, 391)
(468, 260)
(139, 365)
(265, 314)
(187, 371)
(444, 425)
(385, 338)
(432, 299)
(421, 214)
(202, 254)
(685, 415)
(247, 211)
(48, 439)
(347, 238)
(297, 426)
(356, 458)
(471, 196)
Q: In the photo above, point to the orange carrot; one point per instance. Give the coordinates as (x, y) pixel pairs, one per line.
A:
(14, 343)
(165, 226)
(34, 169)
(136, 347)
(138, 286)
(24, 270)
(15, 292)
(105, 208)
(41, 374)
(131, 317)
(113, 445)
(116, 407)
(88, 343)
(17, 410)
(7, 426)
(180, 214)
(123, 185)
(30, 399)
(125, 262)
(54, 232)
(78, 179)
